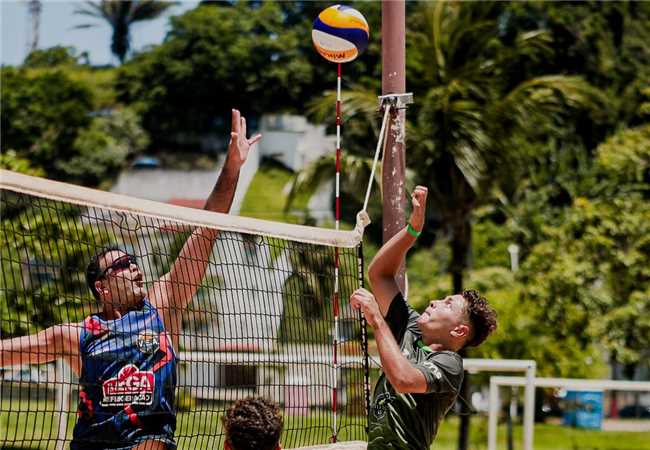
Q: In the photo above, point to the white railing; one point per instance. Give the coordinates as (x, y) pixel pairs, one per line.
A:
(575, 383)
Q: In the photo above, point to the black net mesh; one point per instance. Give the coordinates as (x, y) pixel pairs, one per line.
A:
(259, 322)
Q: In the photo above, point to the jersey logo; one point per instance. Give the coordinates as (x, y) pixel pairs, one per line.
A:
(147, 342)
(436, 372)
(131, 386)
(381, 403)
(95, 327)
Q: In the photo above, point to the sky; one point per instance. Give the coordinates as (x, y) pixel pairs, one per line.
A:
(57, 28)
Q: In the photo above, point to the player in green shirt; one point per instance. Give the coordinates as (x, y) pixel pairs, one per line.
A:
(422, 371)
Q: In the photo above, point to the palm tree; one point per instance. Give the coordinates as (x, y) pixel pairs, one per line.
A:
(120, 15)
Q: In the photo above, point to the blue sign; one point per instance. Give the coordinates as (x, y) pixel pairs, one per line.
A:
(583, 409)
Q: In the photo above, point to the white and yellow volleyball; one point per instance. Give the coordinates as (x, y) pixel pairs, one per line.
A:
(340, 34)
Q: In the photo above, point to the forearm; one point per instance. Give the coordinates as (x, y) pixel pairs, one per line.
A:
(221, 197)
(388, 259)
(399, 371)
(26, 350)
(191, 265)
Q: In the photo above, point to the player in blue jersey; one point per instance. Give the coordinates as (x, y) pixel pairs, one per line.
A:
(124, 356)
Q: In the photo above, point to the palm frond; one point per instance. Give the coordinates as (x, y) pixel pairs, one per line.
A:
(355, 170)
(358, 101)
(536, 101)
(148, 9)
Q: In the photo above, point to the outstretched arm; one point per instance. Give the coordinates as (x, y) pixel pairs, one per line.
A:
(59, 341)
(384, 266)
(176, 289)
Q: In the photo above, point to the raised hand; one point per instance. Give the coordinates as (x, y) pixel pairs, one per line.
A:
(239, 144)
(364, 301)
(419, 202)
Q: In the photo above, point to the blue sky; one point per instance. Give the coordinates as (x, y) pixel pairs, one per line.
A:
(57, 22)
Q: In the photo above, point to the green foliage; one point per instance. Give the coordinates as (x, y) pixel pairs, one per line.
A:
(104, 147)
(42, 115)
(51, 57)
(10, 160)
(490, 242)
(625, 157)
(48, 119)
(47, 287)
(590, 278)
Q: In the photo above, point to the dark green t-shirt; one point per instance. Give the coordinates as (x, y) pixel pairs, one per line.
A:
(410, 421)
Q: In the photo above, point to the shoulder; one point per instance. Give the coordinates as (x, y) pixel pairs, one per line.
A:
(447, 361)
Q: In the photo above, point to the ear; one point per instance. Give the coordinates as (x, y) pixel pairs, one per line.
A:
(100, 289)
(460, 331)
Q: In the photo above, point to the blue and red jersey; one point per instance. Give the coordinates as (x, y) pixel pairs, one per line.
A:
(127, 382)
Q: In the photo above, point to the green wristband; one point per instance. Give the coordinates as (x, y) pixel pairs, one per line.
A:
(412, 231)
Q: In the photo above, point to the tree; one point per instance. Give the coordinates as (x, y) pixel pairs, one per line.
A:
(589, 275)
(42, 114)
(121, 15)
(51, 57)
(103, 148)
(49, 118)
(257, 56)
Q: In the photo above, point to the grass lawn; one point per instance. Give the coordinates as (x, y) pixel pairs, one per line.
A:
(266, 199)
(547, 437)
(201, 429)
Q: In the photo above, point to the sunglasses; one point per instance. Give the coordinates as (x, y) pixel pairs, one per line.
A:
(121, 263)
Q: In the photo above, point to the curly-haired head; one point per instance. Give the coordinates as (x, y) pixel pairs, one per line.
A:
(481, 315)
(253, 423)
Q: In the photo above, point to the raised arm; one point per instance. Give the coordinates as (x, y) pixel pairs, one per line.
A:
(59, 341)
(384, 266)
(399, 371)
(175, 289)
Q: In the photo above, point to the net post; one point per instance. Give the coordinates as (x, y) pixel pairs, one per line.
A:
(63, 391)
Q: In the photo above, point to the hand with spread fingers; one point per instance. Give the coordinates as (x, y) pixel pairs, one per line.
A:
(419, 203)
(239, 144)
(364, 301)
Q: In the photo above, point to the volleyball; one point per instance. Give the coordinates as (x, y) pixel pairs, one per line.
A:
(340, 34)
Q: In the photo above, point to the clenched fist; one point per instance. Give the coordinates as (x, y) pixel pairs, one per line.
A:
(363, 300)
(419, 203)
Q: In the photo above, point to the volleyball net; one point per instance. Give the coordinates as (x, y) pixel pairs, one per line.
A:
(269, 318)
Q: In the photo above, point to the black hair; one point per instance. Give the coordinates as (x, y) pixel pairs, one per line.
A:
(92, 270)
(253, 423)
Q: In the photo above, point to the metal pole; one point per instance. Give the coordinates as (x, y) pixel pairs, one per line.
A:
(63, 391)
(393, 81)
(529, 407)
(493, 414)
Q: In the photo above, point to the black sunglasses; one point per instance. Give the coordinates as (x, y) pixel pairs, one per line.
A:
(121, 263)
